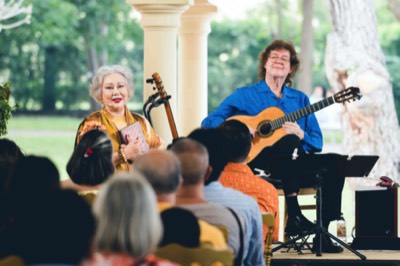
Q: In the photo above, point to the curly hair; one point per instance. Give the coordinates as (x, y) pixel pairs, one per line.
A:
(277, 45)
(102, 72)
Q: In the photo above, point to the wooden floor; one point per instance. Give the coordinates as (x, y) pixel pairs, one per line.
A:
(374, 257)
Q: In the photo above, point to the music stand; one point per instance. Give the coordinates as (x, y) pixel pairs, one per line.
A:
(318, 164)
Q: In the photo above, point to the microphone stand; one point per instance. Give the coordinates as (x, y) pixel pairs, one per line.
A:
(147, 113)
(155, 104)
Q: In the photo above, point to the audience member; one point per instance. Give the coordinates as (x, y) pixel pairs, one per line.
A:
(128, 224)
(33, 177)
(195, 170)
(214, 191)
(180, 227)
(57, 229)
(10, 152)
(163, 170)
(238, 175)
(8, 148)
(90, 164)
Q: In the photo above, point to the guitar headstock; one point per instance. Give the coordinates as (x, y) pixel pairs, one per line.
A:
(159, 85)
(351, 93)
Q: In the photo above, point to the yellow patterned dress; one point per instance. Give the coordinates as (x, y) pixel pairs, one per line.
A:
(103, 120)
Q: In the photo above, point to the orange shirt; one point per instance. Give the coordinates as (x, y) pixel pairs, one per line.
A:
(240, 177)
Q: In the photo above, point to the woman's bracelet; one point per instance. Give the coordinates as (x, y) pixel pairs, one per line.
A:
(122, 156)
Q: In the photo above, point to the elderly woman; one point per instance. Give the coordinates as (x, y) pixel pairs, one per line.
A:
(128, 224)
(112, 87)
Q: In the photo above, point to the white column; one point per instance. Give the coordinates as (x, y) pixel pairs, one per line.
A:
(192, 65)
(160, 20)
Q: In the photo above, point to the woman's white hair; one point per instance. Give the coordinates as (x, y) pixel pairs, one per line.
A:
(127, 215)
(102, 72)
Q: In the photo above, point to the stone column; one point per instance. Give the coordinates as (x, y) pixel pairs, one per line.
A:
(192, 65)
(160, 20)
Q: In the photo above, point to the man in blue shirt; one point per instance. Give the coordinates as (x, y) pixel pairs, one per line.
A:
(278, 64)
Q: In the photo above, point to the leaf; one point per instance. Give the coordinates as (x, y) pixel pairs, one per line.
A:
(5, 107)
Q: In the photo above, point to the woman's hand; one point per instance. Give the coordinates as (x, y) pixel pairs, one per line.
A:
(132, 149)
(293, 128)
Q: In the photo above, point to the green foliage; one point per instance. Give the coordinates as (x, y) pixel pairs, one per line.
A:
(234, 45)
(5, 107)
(68, 28)
(75, 29)
(233, 50)
(389, 35)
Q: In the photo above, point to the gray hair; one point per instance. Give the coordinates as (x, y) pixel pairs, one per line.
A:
(194, 160)
(128, 220)
(102, 72)
(161, 168)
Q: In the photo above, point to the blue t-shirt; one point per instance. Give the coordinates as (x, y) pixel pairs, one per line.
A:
(255, 98)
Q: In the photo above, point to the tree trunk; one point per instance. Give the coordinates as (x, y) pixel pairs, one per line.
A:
(354, 58)
(394, 6)
(306, 49)
(50, 77)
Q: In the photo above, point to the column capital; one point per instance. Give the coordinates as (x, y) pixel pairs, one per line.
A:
(161, 13)
(202, 8)
(198, 17)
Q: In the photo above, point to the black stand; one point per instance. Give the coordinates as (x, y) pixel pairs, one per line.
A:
(318, 164)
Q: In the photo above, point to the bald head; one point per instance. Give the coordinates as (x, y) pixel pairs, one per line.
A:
(194, 160)
(161, 168)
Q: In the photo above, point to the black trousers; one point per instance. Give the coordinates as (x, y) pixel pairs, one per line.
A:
(274, 160)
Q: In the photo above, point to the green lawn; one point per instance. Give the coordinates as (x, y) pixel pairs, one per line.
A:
(52, 137)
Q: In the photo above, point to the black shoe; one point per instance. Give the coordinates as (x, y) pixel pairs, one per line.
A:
(298, 225)
(327, 245)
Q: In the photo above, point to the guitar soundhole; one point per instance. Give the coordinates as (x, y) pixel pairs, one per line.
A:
(264, 128)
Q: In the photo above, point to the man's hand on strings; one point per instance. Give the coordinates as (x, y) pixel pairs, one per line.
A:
(293, 128)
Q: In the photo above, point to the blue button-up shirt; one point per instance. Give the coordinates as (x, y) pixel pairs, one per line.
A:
(255, 98)
(246, 207)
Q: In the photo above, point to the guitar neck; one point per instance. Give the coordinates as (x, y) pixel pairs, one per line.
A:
(296, 115)
(171, 120)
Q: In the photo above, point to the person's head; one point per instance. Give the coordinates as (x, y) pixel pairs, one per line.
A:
(57, 229)
(238, 138)
(33, 176)
(127, 216)
(112, 86)
(194, 161)
(36, 174)
(162, 169)
(8, 148)
(10, 152)
(279, 56)
(215, 143)
(181, 227)
(91, 162)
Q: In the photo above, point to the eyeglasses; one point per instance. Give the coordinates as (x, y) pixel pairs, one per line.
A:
(275, 58)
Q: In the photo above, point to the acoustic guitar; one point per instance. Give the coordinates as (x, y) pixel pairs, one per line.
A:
(268, 123)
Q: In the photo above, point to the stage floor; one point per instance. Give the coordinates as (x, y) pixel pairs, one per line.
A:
(374, 257)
